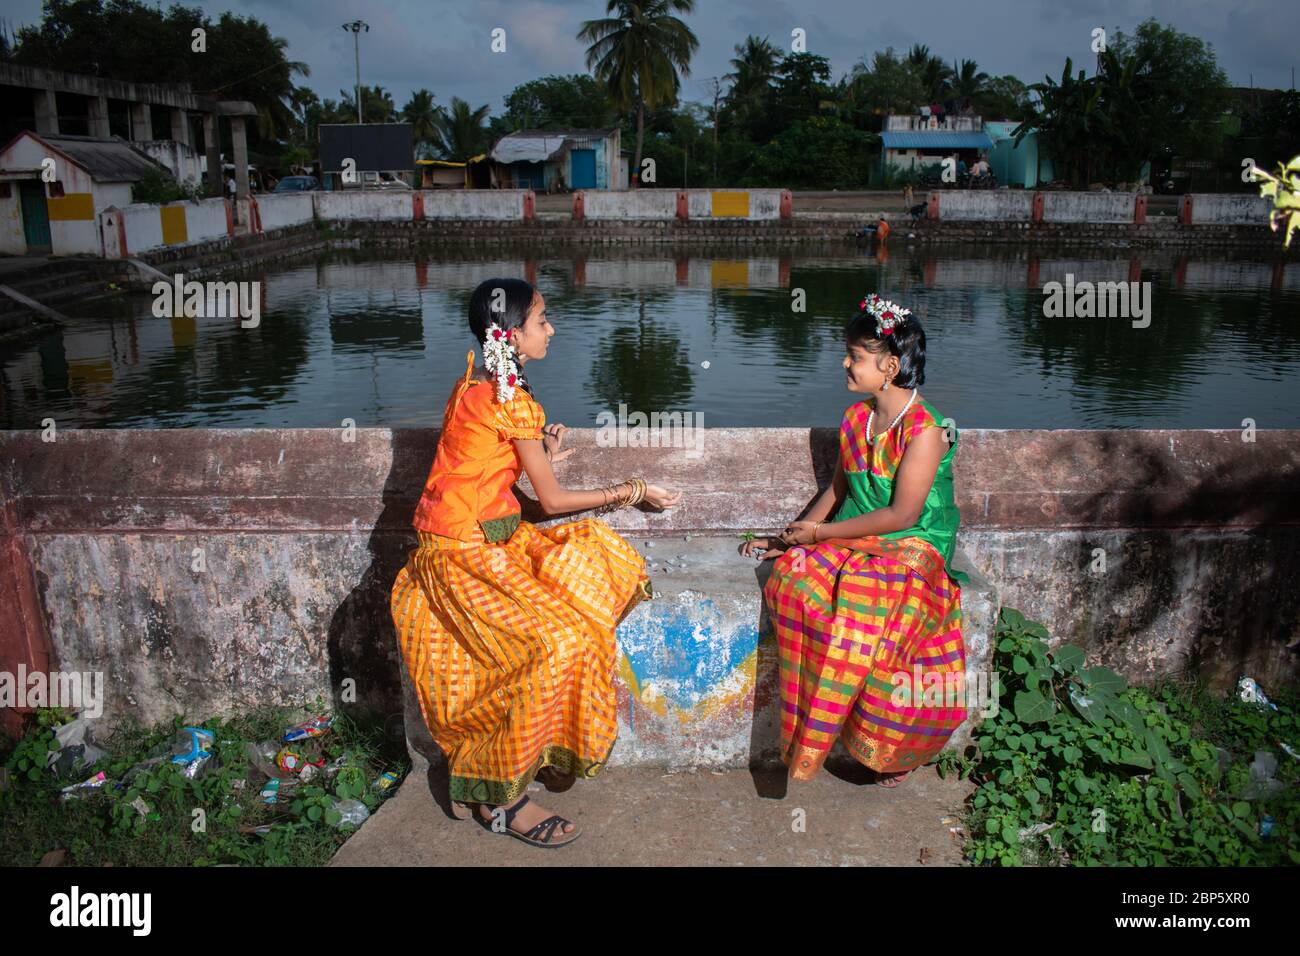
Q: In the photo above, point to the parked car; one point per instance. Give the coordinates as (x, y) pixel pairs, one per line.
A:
(372, 180)
(296, 184)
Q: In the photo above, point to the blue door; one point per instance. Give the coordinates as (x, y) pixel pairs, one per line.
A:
(583, 166)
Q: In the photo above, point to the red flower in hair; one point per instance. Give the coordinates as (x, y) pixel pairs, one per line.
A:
(496, 333)
(510, 380)
(862, 306)
(888, 331)
(887, 315)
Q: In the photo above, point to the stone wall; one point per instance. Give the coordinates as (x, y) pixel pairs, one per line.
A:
(207, 571)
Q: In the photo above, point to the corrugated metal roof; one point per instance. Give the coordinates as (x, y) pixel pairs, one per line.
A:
(110, 160)
(936, 139)
(527, 147)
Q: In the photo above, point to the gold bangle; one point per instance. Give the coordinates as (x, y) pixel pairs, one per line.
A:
(815, 527)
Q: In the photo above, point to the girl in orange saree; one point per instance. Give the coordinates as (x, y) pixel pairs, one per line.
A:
(507, 628)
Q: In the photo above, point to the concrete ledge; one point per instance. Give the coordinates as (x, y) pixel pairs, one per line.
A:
(301, 535)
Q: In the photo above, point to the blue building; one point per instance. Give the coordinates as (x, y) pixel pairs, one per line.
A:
(915, 142)
(550, 160)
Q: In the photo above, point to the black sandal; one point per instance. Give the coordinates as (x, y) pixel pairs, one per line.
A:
(540, 835)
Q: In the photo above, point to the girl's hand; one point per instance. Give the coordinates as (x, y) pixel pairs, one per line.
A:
(765, 549)
(552, 438)
(799, 532)
(660, 497)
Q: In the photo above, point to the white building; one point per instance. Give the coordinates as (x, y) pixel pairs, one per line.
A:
(53, 188)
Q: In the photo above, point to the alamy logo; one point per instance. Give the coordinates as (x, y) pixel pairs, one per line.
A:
(656, 430)
(68, 689)
(1101, 300)
(103, 909)
(209, 300)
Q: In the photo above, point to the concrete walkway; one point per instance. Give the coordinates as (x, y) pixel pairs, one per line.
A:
(645, 817)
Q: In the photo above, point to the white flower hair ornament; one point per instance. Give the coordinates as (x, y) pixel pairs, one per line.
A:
(499, 359)
(887, 314)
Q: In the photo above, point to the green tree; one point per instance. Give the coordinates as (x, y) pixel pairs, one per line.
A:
(461, 134)
(754, 67)
(817, 152)
(1181, 89)
(887, 85)
(420, 112)
(967, 80)
(930, 70)
(559, 102)
(377, 103)
(1068, 117)
(1003, 97)
(638, 53)
(803, 87)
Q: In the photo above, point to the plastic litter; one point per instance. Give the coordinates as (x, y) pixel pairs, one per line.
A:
(85, 788)
(309, 728)
(1252, 693)
(193, 750)
(262, 756)
(1266, 827)
(1263, 783)
(72, 744)
(271, 792)
(292, 760)
(386, 781)
(354, 812)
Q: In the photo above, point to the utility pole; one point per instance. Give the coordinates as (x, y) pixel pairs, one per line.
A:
(356, 26)
(717, 94)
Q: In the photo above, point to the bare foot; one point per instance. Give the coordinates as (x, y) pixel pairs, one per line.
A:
(892, 780)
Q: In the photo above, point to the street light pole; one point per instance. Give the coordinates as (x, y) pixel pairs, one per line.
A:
(356, 26)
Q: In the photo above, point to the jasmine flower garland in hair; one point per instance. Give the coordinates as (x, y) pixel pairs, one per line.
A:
(498, 358)
(886, 313)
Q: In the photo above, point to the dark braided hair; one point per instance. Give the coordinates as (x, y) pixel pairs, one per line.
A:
(518, 300)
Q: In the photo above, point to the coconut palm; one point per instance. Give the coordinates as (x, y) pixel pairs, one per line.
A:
(967, 80)
(755, 64)
(460, 132)
(420, 112)
(930, 70)
(637, 52)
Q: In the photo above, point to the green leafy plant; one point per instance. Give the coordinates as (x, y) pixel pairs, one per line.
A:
(158, 186)
(1284, 190)
(149, 813)
(1079, 768)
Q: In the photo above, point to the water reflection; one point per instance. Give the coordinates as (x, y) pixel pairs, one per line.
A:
(744, 339)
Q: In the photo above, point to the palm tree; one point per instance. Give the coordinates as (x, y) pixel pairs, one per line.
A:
(420, 112)
(967, 80)
(755, 65)
(930, 70)
(637, 54)
(460, 131)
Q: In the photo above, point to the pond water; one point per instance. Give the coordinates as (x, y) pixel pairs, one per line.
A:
(715, 332)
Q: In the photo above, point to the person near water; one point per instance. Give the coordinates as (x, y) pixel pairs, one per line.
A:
(507, 629)
(863, 595)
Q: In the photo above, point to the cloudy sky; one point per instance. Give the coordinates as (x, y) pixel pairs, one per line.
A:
(446, 47)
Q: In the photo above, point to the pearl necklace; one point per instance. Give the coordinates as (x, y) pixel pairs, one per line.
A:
(898, 419)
